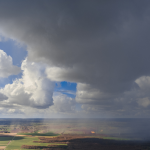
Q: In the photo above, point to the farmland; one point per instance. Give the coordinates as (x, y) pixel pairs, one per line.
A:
(71, 134)
(19, 141)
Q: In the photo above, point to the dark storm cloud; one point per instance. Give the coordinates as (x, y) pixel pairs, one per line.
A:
(101, 43)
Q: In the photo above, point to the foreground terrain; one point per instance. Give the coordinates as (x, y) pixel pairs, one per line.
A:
(73, 142)
(70, 134)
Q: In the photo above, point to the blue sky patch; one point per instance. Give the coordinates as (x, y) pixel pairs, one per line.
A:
(9, 80)
(66, 88)
(18, 54)
(16, 51)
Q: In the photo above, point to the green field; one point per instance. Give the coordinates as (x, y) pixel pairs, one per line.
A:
(4, 140)
(19, 141)
(39, 134)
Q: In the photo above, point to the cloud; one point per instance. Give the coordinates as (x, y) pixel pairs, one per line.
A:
(33, 89)
(3, 97)
(102, 46)
(144, 102)
(15, 111)
(97, 46)
(88, 94)
(132, 103)
(11, 112)
(63, 103)
(6, 66)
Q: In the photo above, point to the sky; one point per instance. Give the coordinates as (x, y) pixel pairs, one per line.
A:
(75, 59)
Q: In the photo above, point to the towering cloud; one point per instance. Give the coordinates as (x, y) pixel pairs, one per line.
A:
(33, 89)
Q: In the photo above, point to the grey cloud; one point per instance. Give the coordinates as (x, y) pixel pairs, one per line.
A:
(78, 41)
(10, 111)
(101, 43)
(9, 106)
(133, 103)
(3, 97)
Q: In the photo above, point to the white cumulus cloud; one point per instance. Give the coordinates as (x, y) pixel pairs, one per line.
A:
(63, 103)
(33, 89)
(6, 65)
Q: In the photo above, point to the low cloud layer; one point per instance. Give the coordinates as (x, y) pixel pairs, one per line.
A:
(103, 46)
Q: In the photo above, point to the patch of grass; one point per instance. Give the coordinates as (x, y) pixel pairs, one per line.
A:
(19, 141)
(4, 140)
(39, 134)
